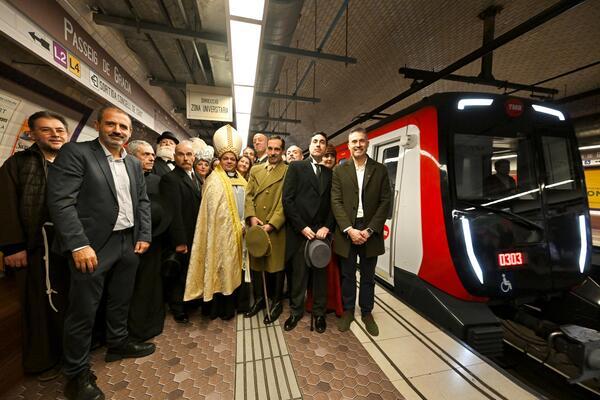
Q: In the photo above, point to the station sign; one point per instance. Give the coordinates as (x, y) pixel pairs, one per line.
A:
(209, 103)
(47, 30)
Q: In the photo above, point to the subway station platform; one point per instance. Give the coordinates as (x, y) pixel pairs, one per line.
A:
(243, 359)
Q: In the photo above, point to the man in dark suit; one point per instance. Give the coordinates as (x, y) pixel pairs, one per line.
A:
(165, 148)
(147, 308)
(182, 189)
(306, 203)
(97, 200)
(360, 200)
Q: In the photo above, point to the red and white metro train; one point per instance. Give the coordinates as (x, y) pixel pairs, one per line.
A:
(489, 213)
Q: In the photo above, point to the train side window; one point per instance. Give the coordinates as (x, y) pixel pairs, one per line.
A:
(561, 183)
(389, 158)
(560, 171)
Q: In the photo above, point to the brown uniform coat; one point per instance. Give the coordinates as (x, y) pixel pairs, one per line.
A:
(376, 199)
(263, 200)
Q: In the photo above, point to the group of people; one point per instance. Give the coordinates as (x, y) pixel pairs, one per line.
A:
(104, 233)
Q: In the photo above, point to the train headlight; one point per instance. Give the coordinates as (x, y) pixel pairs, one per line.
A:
(470, 253)
(550, 111)
(583, 236)
(462, 103)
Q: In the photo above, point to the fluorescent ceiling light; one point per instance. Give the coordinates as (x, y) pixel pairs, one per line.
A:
(242, 122)
(583, 235)
(243, 98)
(245, 43)
(474, 102)
(252, 9)
(550, 111)
(596, 146)
(470, 252)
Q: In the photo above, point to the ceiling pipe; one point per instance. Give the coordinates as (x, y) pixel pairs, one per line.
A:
(489, 26)
(274, 119)
(343, 8)
(578, 96)
(532, 23)
(420, 74)
(128, 24)
(289, 97)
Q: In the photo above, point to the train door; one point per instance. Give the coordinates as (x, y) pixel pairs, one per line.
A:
(402, 231)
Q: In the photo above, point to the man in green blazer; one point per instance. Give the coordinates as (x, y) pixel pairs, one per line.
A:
(263, 207)
(360, 201)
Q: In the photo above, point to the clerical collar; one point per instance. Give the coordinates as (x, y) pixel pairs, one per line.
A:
(231, 174)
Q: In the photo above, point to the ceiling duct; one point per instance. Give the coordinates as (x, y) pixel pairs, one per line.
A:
(282, 19)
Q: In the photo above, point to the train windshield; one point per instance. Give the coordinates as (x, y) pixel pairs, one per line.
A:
(504, 174)
(490, 170)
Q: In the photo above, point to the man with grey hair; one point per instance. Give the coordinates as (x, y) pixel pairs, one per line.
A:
(294, 153)
(259, 141)
(147, 308)
(182, 188)
(144, 152)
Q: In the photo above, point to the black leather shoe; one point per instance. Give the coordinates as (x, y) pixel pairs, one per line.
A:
(291, 322)
(276, 310)
(320, 324)
(181, 318)
(83, 387)
(255, 308)
(129, 350)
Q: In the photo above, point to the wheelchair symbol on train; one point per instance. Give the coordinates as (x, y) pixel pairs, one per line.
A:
(505, 285)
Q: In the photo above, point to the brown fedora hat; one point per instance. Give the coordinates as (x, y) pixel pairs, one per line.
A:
(258, 242)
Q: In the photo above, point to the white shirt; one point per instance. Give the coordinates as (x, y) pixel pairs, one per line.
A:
(169, 163)
(314, 164)
(360, 177)
(118, 170)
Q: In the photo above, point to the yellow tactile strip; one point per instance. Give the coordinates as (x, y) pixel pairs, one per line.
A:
(335, 365)
(194, 361)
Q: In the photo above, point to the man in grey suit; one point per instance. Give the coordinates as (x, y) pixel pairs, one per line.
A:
(97, 200)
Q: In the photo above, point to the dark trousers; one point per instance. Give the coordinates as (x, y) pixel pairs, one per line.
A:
(175, 284)
(366, 297)
(115, 273)
(42, 326)
(300, 276)
(147, 307)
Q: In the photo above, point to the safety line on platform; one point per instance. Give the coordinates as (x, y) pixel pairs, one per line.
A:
(412, 330)
(263, 365)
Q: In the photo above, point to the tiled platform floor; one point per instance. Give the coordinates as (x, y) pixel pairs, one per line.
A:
(197, 361)
(335, 365)
(194, 361)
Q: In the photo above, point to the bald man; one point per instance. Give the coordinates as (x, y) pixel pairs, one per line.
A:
(259, 141)
(182, 188)
(294, 153)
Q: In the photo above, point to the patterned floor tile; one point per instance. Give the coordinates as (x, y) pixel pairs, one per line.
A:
(194, 361)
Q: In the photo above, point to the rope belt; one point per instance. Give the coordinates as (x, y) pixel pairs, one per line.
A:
(49, 290)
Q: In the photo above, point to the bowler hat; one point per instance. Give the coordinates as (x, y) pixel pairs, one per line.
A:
(167, 135)
(317, 253)
(171, 266)
(258, 242)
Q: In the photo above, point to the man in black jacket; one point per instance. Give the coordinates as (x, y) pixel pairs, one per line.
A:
(24, 220)
(165, 148)
(183, 190)
(97, 200)
(147, 309)
(306, 203)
